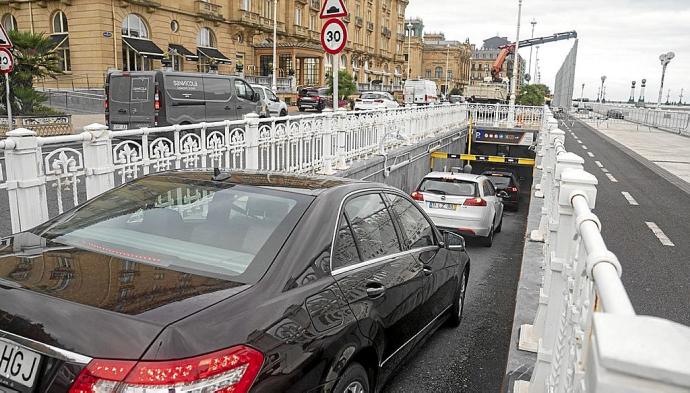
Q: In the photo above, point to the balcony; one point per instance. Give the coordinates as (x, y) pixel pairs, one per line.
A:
(301, 31)
(359, 47)
(401, 36)
(209, 11)
(359, 22)
(151, 5)
(386, 32)
(370, 26)
(399, 57)
(250, 18)
(315, 5)
(314, 36)
(385, 53)
(346, 18)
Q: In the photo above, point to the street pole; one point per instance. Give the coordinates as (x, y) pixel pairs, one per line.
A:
(274, 83)
(9, 105)
(601, 97)
(537, 77)
(665, 58)
(336, 71)
(447, 56)
(516, 71)
(582, 94)
(529, 67)
(409, 50)
(680, 99)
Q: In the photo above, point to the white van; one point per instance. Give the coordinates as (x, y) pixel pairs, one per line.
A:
(420, 92)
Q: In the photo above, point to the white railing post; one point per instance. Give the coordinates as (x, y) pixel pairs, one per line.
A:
(327, 132)
(341, 141)
(98, 160)
(496, 112)
(25, 181)
(547, 182)
(560, 259)
(252, 138)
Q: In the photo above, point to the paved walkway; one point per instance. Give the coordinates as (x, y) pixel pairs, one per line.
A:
(79, 121)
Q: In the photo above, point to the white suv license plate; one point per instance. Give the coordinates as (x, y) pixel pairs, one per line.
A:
(439, 205)
(18, 364)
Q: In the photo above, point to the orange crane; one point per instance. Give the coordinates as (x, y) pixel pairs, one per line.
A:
(506, 50)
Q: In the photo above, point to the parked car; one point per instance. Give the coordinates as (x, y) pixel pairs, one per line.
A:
(273, 106)
(317, 98)
(420, 92)
(244, 281)
(465, 203)
(582, 110)
(615, 114)
(506, 181)
(161, 98)
(375, 100)
(456, 99)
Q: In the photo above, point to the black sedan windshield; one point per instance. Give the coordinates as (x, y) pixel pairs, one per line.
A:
(196, 226)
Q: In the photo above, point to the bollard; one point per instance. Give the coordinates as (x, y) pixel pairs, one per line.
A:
(252, 139)
(98, 160)
(328, 157)
(341, 141)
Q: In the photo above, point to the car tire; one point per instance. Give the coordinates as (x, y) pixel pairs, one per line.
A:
(353, 380)
(300, 109)
(488, 240)
(458, 302)
(283, 113)
(500, 225)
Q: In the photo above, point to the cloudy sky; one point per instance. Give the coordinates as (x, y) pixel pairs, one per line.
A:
(621, 39)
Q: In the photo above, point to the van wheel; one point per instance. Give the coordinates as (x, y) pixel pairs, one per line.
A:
(283, 113)
(353, 380)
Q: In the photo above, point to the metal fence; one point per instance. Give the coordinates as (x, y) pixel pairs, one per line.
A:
(586, 333)
(677, 122)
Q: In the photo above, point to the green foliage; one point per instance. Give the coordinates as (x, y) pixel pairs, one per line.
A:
(456, 91)
(33, 58)
(533, 95)
(346, 86)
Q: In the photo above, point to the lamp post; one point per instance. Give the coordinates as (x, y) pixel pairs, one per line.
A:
(447, 58)
(529, 66)
(516, 70)
(665, 58)
(582, 94)
(409, 49)
(642, 86)
(274, 82)
(601, 94)
(632, 92)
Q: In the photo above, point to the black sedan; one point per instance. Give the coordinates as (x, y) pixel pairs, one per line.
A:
(507, 182)
(237, 282)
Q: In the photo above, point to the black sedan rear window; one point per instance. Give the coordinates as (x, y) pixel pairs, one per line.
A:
(499, 181)
(206, 227)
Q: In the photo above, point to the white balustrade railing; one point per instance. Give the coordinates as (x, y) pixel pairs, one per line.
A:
(677, 121)
(586, 334)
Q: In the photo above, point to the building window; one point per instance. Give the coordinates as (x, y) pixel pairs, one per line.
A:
(265, 65)
(246, 5)
(60, 30)
(268, 9)
(438, 73)
(174, 26)
(328, 65)
(134, 26)
(427, 74)
(298, 16)
(207, 39)
(311, 71)
(450, 74)
(343, 62)
(9, 22)
(312, 22)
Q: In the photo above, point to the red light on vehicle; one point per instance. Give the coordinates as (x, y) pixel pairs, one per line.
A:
(417, 196)
(157, 100)
(231, 370)
(513, 189)
(475, 202)
(106, 104)
(467, 231)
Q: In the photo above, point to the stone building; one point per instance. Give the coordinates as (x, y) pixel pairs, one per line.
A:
(484, 58)
(435, 58)
(233, 36)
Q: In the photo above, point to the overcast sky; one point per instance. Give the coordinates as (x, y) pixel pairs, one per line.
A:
(621, 39)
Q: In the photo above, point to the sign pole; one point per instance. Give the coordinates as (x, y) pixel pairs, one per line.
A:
(336, 71)
(9, 107)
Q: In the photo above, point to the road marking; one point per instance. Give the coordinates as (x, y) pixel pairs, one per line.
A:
(579, 141)
(589, 153)
(599, 164)
(613, 179)
(660, 234)
(630, 199)
(604, 170)
(584, 147)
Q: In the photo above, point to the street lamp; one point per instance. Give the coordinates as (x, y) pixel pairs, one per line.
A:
(409, 50)
(582, 94)
(601, 89)
(447, 57)
(274, 82)
(529, 67)
(665, 59)
(516, 69)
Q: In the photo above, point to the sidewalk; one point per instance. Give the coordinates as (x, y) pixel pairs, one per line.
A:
(79, 121)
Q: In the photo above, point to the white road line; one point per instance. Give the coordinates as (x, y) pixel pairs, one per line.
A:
(599, 164)
(630, 199)
(579, 141)
(660, 234)
(584, 147)
(604, 170)
(613, 179)
(589, 153)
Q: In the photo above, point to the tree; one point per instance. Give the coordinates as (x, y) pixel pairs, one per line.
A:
(456, 91)
(533, 95)
(34, 57)
(346, 87)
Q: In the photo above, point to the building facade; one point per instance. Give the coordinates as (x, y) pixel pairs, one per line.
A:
(232, 36)
(484, 58)
(431, 56)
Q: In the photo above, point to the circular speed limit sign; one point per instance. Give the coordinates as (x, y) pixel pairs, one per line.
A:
(6, 61)
(334, 36)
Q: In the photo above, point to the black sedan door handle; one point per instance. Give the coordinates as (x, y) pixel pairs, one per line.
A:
(227, 107)
(239, 107)
(375, 289)
(122, 111)
(427, 270)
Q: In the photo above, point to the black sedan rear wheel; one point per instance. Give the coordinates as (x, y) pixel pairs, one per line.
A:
(458, 302)
(354, 380)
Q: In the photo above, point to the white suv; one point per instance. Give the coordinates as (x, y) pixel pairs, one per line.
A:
(272, 105)
(462, 202)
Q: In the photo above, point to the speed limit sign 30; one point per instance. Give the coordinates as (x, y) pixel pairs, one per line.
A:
(6, 61)
(334, 36)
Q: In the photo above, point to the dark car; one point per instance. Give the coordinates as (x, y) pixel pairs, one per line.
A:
(506, 181)
(245, 281)
(614, 114)
(313, 98)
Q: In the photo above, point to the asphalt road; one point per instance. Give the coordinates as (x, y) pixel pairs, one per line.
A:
(655, 275)
(472, 357)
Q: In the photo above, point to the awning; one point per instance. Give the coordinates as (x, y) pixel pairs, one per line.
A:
(213, 54)
(182, 51)
(59, 39)
(144, 47)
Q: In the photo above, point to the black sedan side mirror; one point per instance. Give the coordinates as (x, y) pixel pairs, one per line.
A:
(454, 242)
(502, 194)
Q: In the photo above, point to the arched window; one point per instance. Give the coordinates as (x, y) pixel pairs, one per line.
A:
(438, 72)
(134, 26)
(60, 37)
(206, 38)
(9, 22)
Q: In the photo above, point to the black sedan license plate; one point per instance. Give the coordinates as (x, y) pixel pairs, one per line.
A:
(439, 205)
(18, 366)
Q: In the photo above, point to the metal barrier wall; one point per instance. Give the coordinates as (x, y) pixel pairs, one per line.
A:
(586, 334)
(677, 122)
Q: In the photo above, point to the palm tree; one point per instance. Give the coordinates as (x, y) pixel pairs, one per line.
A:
(34, 57)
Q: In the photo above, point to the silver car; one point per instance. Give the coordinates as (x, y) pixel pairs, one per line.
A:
(462, 202)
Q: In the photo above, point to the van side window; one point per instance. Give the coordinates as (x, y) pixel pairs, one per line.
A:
(217, 89)
(243, 90)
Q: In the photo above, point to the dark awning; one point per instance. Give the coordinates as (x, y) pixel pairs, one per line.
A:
(59, 39)
(144, 47)
(182, 51)
(213, 54)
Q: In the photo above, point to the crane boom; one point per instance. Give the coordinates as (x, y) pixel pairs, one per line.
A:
(506, 50)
